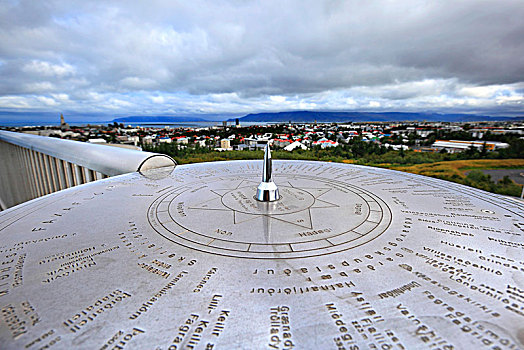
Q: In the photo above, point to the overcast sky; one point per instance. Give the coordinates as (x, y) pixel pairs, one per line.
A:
(192, 57)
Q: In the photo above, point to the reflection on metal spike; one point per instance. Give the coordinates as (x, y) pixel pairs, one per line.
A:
(267, 191)
(266, 176)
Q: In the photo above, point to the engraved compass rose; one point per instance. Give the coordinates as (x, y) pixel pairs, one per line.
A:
(222, 213)
(293, 208)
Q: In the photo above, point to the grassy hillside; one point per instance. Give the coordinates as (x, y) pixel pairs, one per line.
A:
(456, 170)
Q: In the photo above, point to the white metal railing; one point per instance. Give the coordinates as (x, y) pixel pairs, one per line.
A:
(32, 166)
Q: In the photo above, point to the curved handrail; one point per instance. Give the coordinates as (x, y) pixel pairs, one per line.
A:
(110, 161)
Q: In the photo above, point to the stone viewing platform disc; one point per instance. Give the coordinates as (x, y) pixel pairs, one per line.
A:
(342, 257)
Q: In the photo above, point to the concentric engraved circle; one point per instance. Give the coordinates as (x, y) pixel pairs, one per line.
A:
(314, 216)
(292, 200)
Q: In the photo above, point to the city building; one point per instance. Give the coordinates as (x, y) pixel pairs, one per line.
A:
(453, 146)
(325, 143)
(225, 144)
(295, 145)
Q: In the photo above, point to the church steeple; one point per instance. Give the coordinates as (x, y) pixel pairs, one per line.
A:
(63, 124)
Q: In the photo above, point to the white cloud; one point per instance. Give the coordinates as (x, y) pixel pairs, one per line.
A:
(279, 99)
(15, 102)
(39, 87)
(115, 103)
(61, 97)
(157, 99)
(225, 97)
(480, 91)
(48, 101)
(48, 69)
(137, 83)
(229, 56)
(351, 102)
(514, 99)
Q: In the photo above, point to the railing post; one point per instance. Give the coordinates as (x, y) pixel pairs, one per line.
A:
(35, 165)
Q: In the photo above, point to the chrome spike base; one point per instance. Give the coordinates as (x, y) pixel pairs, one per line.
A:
(267, 191)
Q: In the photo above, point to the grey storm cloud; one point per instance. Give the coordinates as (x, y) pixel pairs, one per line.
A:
(218, 56)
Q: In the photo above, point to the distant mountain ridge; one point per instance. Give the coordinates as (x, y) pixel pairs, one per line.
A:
(325, 117)
(52, 118)
(158, 119)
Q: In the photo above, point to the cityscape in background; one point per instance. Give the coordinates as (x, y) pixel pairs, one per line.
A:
(229, 136)
(496, 146)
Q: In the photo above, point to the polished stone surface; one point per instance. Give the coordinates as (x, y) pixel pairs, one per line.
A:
(349, 257)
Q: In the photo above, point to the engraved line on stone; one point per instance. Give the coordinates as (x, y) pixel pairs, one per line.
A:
(279, 218)
(237, 214)
(327, 204)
